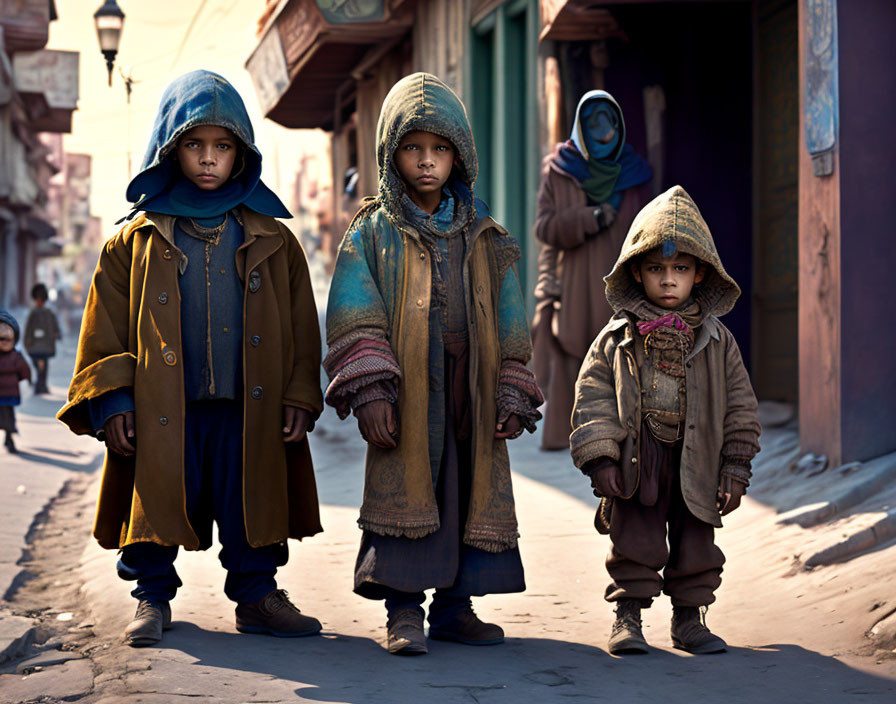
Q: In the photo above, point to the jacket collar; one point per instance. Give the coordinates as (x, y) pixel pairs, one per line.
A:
(255, 225)
(709, 329)
(479, 226)
(483, 224)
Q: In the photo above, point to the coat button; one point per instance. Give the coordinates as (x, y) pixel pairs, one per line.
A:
(691, 427)
(254, 281)
(163, 298)
(634, 460)
(169, 357)
(255, 341)
(419, 302)
(163, 420)
(688, 365)
(257, 392)
(166, 254)
(422, 255)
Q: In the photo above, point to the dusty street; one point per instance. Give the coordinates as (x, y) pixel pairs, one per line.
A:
(795, 635)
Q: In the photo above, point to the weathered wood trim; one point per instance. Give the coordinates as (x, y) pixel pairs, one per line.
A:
(819, 294)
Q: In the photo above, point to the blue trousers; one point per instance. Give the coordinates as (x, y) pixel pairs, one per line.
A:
(213, 477)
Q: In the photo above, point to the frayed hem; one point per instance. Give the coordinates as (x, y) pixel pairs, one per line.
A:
(492, 542)
(413, 531)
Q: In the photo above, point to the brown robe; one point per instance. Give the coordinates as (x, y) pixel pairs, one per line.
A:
(571, 305)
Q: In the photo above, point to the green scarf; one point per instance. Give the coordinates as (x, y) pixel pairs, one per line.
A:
(601, 181)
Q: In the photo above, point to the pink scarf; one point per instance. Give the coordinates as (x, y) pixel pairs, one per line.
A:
(672, 320)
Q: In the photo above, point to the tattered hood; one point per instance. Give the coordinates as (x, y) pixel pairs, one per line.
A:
(596, 99)
(672, 217)
(421, 102)
(192, 100)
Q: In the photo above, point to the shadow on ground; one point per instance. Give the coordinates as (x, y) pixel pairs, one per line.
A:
(54, 458)
(338, 668)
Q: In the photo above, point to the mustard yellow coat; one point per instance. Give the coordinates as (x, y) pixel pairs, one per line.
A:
(131, 337)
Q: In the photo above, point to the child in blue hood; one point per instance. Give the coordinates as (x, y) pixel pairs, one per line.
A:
(13, 369)
(428, 346)
(198, 363)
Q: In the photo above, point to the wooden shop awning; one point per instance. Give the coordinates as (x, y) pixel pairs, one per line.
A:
(47, 81)
(577, 20)
(310, 50)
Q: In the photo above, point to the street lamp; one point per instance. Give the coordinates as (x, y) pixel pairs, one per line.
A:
(109, 20)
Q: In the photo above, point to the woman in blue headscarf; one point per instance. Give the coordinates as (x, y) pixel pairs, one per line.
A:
(591, 190)
(198, 363)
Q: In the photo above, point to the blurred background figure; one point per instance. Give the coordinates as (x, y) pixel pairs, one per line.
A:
(588, 197)
(13, 368)
(41, 333)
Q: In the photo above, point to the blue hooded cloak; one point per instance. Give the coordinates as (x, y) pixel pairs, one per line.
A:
(194, 99)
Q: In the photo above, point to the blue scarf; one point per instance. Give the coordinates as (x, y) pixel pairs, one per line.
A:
(603, 176)
(447, 220)
(633, 170)
(200, 98)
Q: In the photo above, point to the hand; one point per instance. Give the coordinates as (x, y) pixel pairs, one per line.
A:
(120, 433)
(511, 427)
(606, 478)
(295, 423)
(378, 424)
(605, 215)
(730, 493)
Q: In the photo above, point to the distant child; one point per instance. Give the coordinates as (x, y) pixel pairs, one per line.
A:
(13, 368)
(665, 422)
(199, 363)
(428, 345)
(41, 333)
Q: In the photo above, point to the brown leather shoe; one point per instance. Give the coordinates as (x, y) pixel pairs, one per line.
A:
(466, 627)
(405, 633)
(626, 637)
(689, 632)
(276, 616)
(151, 619)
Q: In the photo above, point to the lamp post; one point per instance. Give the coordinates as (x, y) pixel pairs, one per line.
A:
(109, 20)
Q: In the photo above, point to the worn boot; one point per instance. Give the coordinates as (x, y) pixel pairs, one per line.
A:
(464, 626)
(626, 637)
(689, 631)
(151, 619)
(276, 616)
(405, 633)
(10, 445)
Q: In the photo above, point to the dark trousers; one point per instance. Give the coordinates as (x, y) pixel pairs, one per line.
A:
(41, 366)
(691, 562)
(213, 477)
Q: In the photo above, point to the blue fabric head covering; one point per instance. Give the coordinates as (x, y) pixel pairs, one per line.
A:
(606, 168)
(598, 102)
(200, 98)
(7, 319)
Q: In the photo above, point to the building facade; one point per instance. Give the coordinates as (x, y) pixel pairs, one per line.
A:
(38, 93)
(771, 113)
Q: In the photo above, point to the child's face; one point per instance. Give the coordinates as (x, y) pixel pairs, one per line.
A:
(7, 338)
(424, 161)
(206, 155)
(668, 281)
